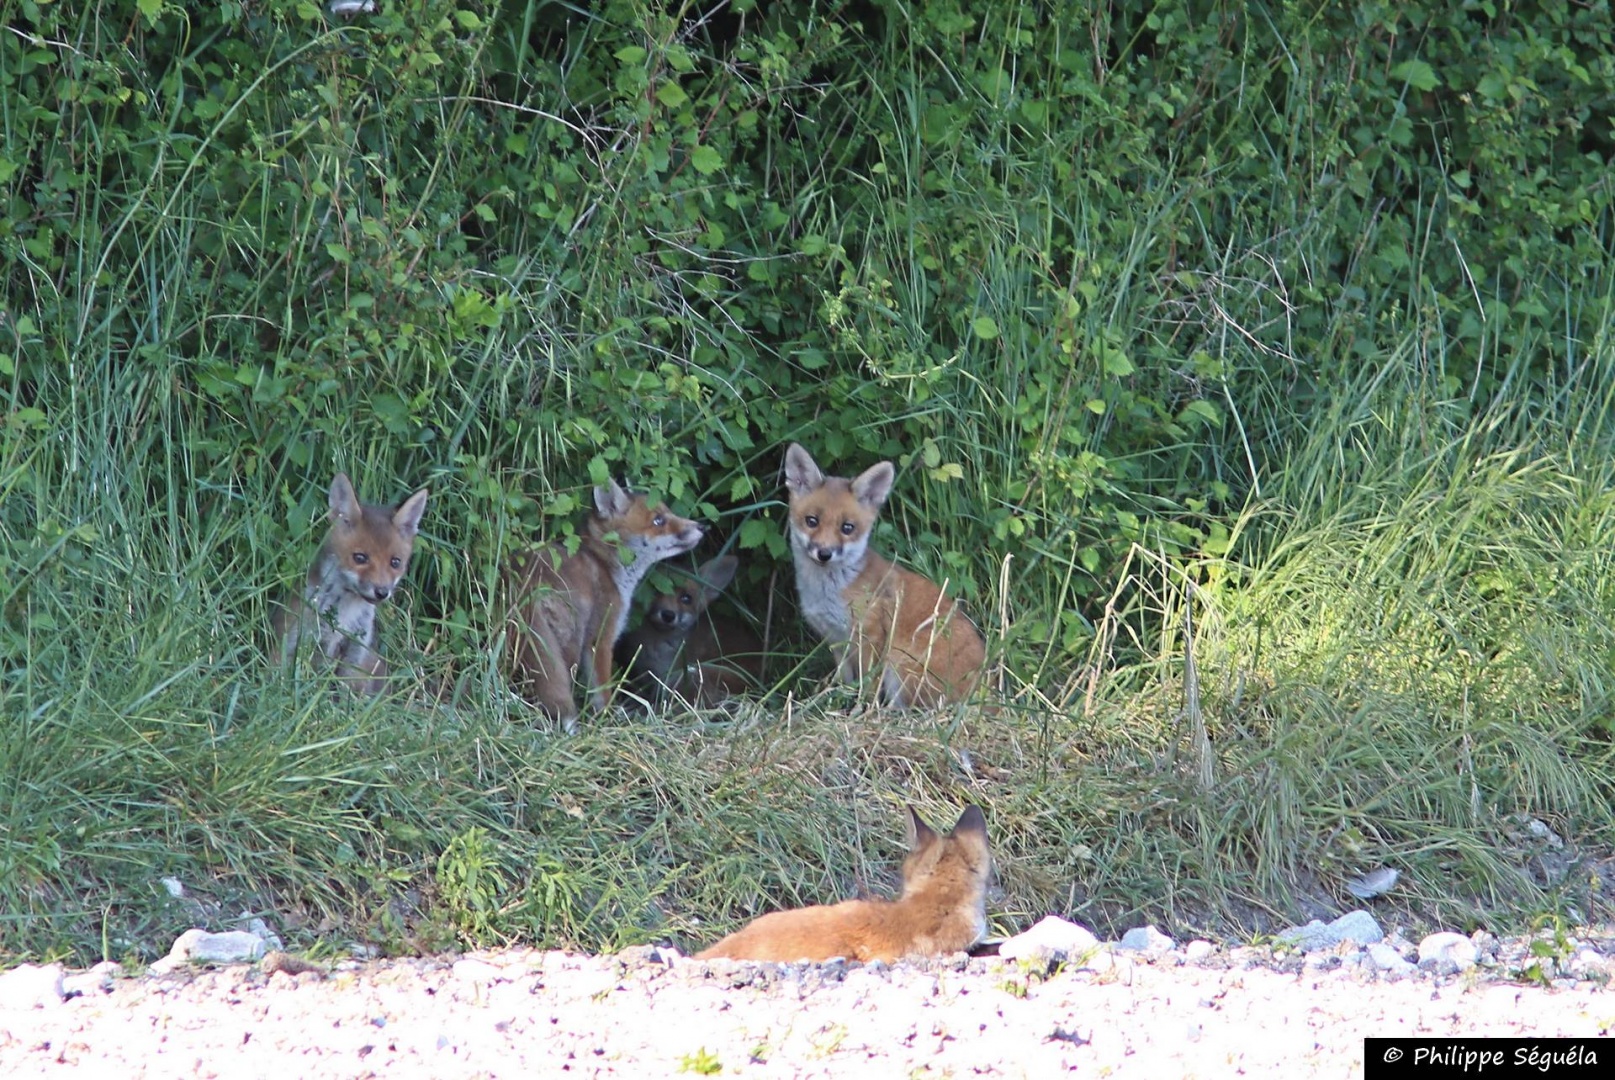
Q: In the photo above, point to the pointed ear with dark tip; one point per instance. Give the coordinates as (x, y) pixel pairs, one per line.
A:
(407, 518)
(610, 499)
(971, 821)
(874, 484)
(802, 475)
(919, 833)
(343, 502)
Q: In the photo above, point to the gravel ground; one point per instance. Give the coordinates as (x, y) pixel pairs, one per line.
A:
(1199, 1011)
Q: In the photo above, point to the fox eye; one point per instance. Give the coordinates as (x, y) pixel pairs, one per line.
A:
(846, 528)
(686, 598)
(811, 521)
(659, 520)
(397, 562)
(361, 557)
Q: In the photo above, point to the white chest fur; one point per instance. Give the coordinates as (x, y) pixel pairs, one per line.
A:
(822, 590)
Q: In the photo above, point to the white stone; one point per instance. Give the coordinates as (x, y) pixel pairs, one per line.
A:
(1448, 947)
(1198, 950)
(175, 887)
(98, 978)
(1051, 938)
(30, 986)
(200, 947)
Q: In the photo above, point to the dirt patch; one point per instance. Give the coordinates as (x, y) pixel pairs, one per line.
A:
(650, 1012)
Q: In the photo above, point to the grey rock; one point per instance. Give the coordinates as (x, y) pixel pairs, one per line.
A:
(1372, 884)
(1147, 940)
(197, 946)
(1356, 926)
(1384, 957)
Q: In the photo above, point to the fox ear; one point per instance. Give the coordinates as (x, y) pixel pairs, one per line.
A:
(716, 574)
(971, 821)
(343, 502)
(919, 833)
(407, 518)
(874, 484)
(610, 499)
(802, 475)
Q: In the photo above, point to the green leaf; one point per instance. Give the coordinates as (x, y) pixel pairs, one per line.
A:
(630, 55)
(755, 533)
(338, 252)
(671, 94)
(1417, 74)
(706, 160)
(150, 9)
(985, 327)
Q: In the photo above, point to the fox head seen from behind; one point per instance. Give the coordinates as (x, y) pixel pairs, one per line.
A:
(370, 545)
(831, 517)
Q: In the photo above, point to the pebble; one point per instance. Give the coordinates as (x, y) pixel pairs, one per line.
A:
(1447, 948)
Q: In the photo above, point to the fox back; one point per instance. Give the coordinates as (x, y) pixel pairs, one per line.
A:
(879, 616)
(943, 908)
(681, 647)
(566, 611)
(364, 557)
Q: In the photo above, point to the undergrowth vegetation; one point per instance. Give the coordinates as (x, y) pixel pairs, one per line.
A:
(1247, 367)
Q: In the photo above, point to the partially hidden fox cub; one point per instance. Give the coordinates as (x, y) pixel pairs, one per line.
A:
(360, 564)
(565, 612)
(878, 616)
(681, 647)
(943, 908)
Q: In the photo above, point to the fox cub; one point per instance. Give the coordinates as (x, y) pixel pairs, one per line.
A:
(879, 616)
(943, 908)
(360, 564)
(681, 648)
(567, 611)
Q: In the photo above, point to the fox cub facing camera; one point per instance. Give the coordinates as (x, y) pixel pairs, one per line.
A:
(878, 616)
(363, 559)
(682, 648)
(943, 908)
(567, 611)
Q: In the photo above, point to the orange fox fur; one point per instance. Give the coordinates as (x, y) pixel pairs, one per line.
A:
(567, 611)
(943, 908)
(360, 564)
(680, 647)
(877, 615)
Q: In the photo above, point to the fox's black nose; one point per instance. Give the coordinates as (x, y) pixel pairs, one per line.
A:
(824, 554)
(666, 616)
(382, 592)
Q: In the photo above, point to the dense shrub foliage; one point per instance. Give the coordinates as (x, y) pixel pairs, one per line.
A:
(1103, 279)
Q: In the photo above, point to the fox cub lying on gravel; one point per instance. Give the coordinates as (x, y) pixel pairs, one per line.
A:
(943, 908)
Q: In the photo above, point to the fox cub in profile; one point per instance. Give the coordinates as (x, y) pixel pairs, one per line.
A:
(681, 648)
(567, 611)
(877, 615)
(943, 908)
(360, 564)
